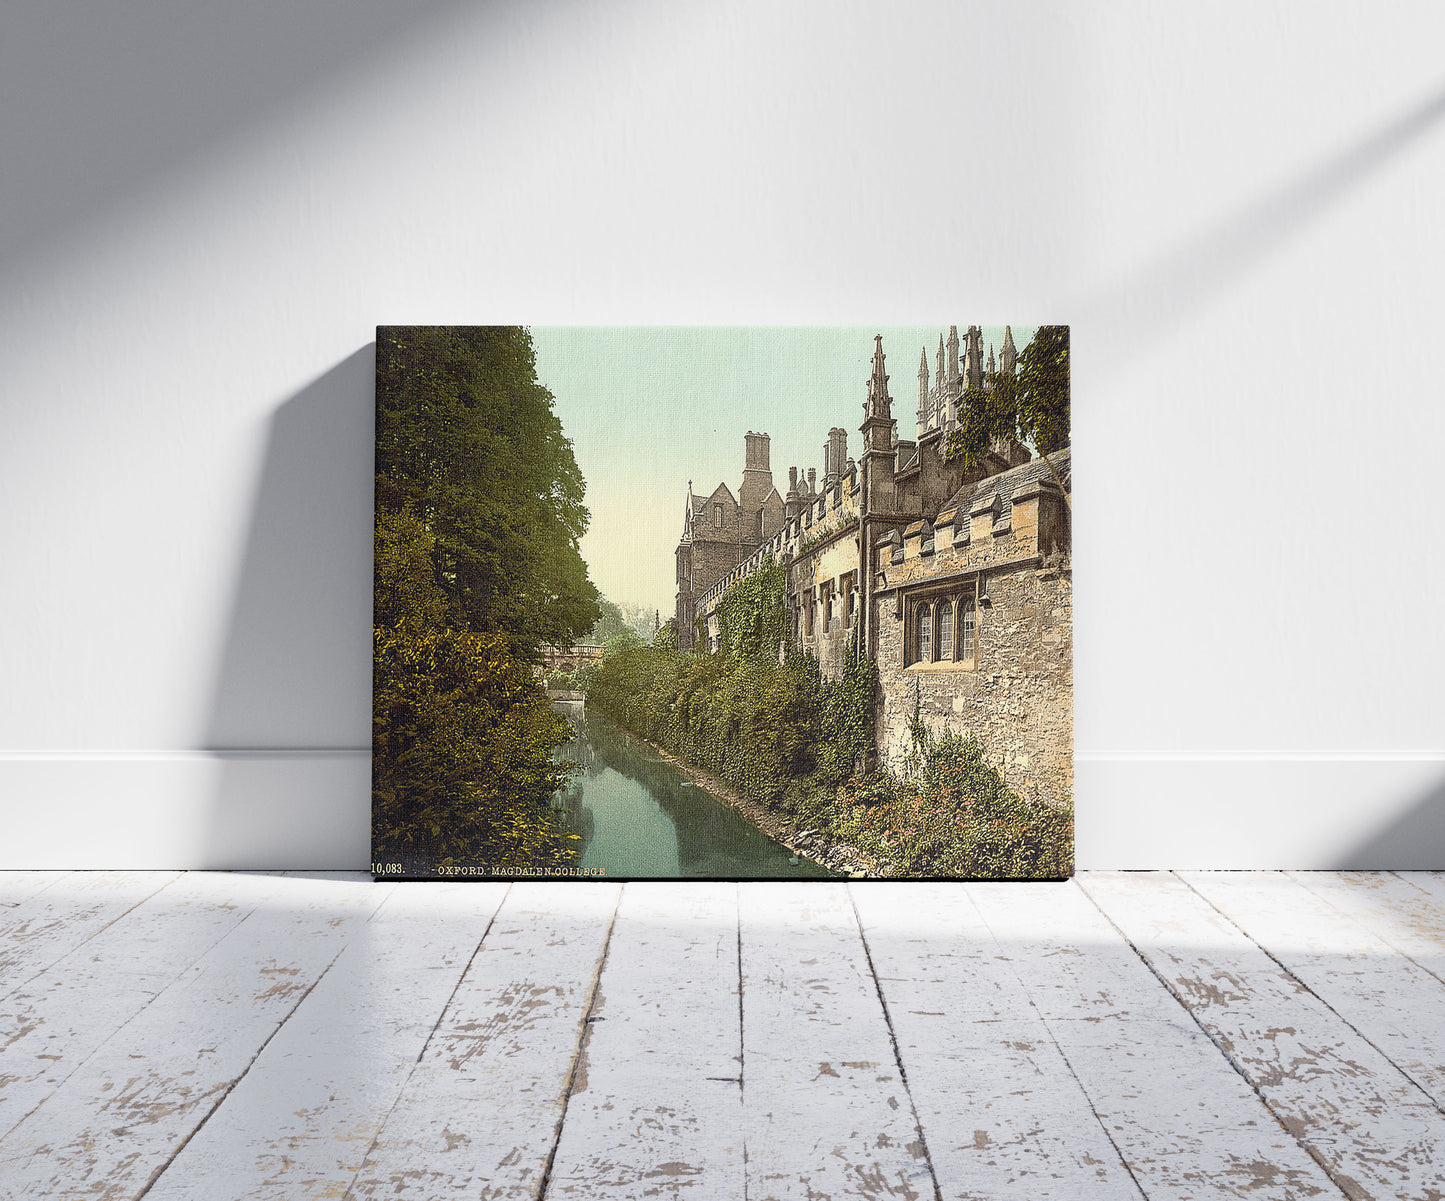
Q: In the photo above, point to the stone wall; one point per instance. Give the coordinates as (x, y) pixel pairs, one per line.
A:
(831, 567)
(1018, 697)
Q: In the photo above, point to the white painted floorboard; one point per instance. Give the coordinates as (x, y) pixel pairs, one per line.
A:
(1266, 1035)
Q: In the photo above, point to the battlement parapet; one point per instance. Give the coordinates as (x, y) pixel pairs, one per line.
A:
(1005, 520)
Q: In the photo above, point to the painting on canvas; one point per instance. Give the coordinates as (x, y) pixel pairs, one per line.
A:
(723, 603)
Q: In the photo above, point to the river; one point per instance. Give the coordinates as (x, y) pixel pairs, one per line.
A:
(640, 818)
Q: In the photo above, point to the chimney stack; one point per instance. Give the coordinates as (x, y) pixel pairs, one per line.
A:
(837, 453)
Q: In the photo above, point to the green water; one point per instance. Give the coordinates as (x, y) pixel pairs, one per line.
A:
(640, 818)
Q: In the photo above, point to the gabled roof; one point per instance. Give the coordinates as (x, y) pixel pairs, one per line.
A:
(718, 493)
(1003, 484)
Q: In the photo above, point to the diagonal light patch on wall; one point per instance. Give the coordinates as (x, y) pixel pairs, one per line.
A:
(99, 104)
(1146, 303)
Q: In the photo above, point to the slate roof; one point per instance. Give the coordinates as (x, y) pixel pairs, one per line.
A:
(1006, 481)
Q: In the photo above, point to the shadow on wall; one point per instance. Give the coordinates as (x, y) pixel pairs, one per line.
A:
(290, 717)
(118, 96)
(1153, 302)
(1414, 841)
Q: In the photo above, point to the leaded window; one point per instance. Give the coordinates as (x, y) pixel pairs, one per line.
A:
(945, 630)
(967, 629)
(925, 634)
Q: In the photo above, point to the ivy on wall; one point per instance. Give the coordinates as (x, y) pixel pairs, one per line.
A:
(760, 715)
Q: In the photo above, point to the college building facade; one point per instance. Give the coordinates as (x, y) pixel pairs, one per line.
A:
(957, 584)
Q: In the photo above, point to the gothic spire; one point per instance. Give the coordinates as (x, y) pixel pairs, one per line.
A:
(992, 368)
(880, 377)
(940, 361)
(1008, 357)
(953, 354)
(974, 368)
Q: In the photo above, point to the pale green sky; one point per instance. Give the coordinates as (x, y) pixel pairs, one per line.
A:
(650, 407)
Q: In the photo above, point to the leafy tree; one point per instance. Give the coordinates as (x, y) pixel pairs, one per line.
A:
(463, 737)
(642, 621)
(468, 440)
(609, 625)
(1031, 405)
(478, 515)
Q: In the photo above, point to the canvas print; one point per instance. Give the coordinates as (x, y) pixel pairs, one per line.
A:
(723, 603)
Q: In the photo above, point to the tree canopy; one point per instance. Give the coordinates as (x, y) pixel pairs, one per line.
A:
(478, 514)
(467, 438)
(1031, 405)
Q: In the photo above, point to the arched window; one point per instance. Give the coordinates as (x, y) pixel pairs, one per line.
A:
(925, 634)
(967, 629)
(945, 630)
(717, 512)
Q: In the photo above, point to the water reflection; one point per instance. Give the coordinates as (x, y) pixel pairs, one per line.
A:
(640, 818)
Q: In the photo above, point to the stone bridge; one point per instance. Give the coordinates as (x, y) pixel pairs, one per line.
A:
(568, 658)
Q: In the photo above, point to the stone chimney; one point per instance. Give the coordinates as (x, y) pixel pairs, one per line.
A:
(837, 453)
(757, 476)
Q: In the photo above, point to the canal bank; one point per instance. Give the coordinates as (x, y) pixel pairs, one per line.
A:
(641, 814)
(809, 843)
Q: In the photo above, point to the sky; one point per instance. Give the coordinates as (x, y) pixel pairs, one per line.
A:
(649, 408)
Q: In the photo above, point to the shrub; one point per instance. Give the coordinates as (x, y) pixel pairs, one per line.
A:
(463, 738)
(760, 715)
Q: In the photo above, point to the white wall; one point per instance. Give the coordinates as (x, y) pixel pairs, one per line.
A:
(205, 208)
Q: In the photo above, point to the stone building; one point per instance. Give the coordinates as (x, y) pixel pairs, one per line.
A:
(959, 584)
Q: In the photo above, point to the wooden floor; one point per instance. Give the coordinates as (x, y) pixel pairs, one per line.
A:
(1189, 1035)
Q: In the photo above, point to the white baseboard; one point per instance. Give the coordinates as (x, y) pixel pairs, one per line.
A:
(186, 809)
(1240, 810)
(311, 809)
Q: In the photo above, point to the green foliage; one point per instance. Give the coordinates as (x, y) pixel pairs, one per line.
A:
(1031, 406)
(1043, 389)
(609, 625)
(467, 440)
(847, 715)
(625, 640)
(478, 514)
(753, 614)
(559, 680)
(959, 819)
(463, 738)
(778, 732)
(787, 738)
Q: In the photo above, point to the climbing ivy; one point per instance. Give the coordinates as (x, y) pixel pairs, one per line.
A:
(753, 614)
(772, 726)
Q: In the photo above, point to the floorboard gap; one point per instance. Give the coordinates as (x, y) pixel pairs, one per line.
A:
(436, 1025)
(226, 1092)
(583, 1037)
(893, 1042)
(1230, 1059)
